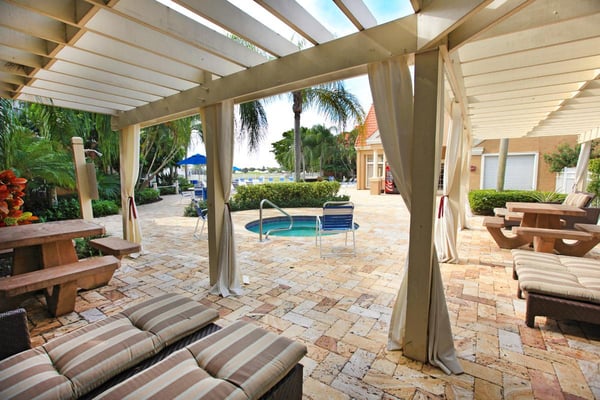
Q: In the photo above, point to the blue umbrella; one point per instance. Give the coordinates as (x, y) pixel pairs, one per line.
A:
(235, 169)
(196, 159)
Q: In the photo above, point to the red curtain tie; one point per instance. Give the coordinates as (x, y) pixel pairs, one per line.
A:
(441, 207)
(132, 209)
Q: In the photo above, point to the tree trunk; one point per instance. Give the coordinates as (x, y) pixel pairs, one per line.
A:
(502, 153)
(297, 107)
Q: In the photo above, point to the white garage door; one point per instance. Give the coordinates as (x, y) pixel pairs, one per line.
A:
(521, 171)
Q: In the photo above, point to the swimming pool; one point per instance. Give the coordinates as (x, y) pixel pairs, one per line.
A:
(304, 225)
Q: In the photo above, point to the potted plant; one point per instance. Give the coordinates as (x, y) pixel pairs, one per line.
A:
(11, 202)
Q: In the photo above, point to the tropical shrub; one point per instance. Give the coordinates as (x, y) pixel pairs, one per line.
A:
(298, 194)
(146, 196)
(103, 208)
(12, 189)
(594, 185)
(483, 202)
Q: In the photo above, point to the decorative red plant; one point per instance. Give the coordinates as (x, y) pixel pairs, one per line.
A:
(11, 191)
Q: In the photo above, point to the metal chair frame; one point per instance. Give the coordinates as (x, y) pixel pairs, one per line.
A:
(338, 217)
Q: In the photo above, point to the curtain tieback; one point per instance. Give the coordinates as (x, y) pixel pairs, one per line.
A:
(132, 208)
(441, 207)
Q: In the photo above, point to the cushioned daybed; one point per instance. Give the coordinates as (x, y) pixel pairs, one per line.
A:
(92, 359)
(558, 287)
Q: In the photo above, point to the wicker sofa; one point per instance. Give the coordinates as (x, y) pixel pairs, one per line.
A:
(558, 287)
(117, 352)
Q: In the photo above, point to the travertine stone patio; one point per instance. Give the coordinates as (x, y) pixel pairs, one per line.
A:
(340, 307)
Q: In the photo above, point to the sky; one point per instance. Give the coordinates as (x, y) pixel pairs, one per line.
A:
(279, 112)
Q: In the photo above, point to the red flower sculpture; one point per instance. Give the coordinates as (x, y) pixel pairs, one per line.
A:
(11, 193)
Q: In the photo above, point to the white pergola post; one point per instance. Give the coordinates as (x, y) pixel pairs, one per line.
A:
(129, 156)
(83, 185)
(216, 202)
(428, 123)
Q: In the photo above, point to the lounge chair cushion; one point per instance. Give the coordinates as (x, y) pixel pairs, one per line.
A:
(240, 361)
(31, 375)
(574, 278)
(177, 376)
(246, 355)
(91, 355)
(578, 199)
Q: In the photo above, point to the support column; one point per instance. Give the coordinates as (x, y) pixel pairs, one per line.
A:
(215, 200)
(81, 174)
(129, 163)
(428, 123)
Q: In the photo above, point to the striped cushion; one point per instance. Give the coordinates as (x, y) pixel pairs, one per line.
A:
(95, 353)
(91, 355)
(30, 375)
(177, 376)
(170, 316)
(248, 356)
(577, 199)
(574, 278)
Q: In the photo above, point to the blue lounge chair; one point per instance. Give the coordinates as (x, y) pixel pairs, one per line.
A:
(202, 216)
(338, 217)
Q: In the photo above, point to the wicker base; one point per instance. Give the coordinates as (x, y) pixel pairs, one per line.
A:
(288, 388)
(558, 308)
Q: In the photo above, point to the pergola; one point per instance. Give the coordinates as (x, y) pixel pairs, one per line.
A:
(497, 69)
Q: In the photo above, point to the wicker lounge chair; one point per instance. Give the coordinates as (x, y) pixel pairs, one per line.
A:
(558, 287)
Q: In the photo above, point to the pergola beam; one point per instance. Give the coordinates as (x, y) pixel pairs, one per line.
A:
(346, 57)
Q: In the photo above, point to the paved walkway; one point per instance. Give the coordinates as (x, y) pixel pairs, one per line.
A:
(340, 307)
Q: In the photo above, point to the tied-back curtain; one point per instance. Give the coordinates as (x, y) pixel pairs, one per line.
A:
(582, 167)
(391, 87)
(448, 212)
(465, 175)
(218, 121)
(129, 147)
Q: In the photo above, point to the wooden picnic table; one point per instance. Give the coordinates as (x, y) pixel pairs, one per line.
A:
(541, 225)
(45, 245)
(543, 215)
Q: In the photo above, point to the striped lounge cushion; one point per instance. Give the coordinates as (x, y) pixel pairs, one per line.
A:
(91, 355)
(248, 356)
(177, 376)
(574, 278)
(241, 361)
(170, 317)
(30, 375)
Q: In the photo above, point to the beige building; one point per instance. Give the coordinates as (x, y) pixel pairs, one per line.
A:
(370, 158)
(525, 165)
(525, 169)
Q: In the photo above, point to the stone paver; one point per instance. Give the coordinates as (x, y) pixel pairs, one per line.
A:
(340, 307)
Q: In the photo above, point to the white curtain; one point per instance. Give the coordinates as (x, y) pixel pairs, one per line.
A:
(582, 167)
(129, 148)
(218, 121)
(391, 86)
(465, 175)
(446, 228)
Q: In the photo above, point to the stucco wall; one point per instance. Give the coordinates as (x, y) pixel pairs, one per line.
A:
(546, 180)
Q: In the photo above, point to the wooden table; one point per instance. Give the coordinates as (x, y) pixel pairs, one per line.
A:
(543, 215)
(45, 245)
(542, 223)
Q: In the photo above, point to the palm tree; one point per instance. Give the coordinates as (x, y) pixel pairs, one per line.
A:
(332, 100)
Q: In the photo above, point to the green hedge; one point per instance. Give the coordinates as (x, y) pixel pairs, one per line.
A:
(284, 195)
(483, 202)
(68, 208)
(146, 196)
(287, 194)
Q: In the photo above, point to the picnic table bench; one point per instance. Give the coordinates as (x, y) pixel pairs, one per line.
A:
(115, 246)
(60, 283)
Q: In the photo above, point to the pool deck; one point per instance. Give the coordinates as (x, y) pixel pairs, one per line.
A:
(340, 307)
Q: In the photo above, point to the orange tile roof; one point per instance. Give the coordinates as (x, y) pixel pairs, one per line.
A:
(368, 128)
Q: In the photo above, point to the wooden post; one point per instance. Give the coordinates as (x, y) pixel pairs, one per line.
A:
(81, 174)
(428, 122)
